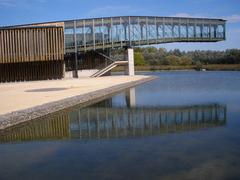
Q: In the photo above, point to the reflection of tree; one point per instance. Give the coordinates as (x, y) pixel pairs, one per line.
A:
(104, 121)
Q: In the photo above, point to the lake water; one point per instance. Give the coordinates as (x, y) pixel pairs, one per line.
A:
(184, 125)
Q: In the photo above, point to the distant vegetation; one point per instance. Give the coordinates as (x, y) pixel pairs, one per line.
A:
(151, 56)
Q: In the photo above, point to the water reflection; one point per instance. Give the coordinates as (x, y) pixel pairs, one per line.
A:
(106, 120)
(100, 122)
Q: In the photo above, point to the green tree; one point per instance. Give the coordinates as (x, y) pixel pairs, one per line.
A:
(198, 65)
(172, 60)
(232, 56)
(185, 60)
(138, 59)
(176, 52)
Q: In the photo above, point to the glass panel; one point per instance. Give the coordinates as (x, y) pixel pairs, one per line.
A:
(143, 28)
(160, 31)
(107, 30)
(69, 34)
(80, 33)
(99, 31)
(212, 32)
(220, 31)
(205, 31)
(125, 22)
(191, 31)
(115, 29)
(88, 30)
(152, 31)
(198, 31)
(135, 29)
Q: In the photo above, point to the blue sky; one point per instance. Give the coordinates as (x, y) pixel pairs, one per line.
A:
(30, 11)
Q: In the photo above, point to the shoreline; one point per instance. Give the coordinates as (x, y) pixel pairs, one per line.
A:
(209, 67)
(17, 117)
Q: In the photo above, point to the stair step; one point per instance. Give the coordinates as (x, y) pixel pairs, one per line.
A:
(108, 68)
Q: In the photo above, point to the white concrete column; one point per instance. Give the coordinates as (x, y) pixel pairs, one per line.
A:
(131, 97)
(129, 56)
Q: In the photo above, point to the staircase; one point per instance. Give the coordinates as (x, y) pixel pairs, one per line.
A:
(109, 68)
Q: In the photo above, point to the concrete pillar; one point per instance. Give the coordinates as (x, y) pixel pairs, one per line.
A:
(129, 56)
(131, 97)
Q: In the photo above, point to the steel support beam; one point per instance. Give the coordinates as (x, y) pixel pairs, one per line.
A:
(75, 75)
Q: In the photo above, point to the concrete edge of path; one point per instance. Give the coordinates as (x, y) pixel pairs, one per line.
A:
(17, 117)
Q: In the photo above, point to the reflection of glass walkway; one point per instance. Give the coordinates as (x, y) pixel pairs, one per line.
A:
(103, 33)
(97, 122)
(112, 122)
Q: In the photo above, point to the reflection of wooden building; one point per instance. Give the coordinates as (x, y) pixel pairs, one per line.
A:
(52, 127)
(102, 121)
(31, 53)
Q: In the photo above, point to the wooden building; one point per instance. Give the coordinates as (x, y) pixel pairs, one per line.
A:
(31, 53)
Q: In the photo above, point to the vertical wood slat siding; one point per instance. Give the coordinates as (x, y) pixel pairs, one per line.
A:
(21, 46)
(1, 44)
(31, 44)
(7, 46)
(29, 71)
(31, 54)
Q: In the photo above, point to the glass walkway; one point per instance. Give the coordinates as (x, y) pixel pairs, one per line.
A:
(113, 32)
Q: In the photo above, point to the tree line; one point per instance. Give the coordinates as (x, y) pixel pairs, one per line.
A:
(154, 56)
